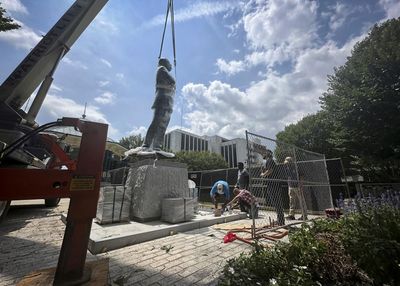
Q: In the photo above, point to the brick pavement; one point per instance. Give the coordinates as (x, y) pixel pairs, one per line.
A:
(30, 239)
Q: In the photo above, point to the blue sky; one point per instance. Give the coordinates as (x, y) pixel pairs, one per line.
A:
(241, 65)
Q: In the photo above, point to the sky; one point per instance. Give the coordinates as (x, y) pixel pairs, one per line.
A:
(255, 65)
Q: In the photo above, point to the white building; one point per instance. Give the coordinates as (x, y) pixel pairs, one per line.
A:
(233, 151)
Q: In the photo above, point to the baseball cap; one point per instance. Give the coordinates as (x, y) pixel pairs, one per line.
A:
(220, 189)
(288, 160)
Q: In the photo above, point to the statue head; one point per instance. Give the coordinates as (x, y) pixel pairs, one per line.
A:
(165, 63)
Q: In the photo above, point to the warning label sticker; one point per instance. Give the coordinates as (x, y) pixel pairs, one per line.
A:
(82, 183)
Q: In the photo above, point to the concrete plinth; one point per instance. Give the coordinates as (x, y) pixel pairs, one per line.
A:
(152, 181)
(177, 210)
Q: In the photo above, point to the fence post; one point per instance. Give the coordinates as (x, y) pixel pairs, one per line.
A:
(345, 178)
(329, 185)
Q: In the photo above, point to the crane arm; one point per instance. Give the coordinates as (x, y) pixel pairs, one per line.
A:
(43, 59)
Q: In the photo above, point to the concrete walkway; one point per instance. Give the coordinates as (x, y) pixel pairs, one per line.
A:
(31, 237)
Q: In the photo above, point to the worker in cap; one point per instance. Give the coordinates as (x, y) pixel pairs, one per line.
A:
(220, 193)
(288, 160)
(295, 189)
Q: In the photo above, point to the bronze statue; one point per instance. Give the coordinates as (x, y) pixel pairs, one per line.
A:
(163, 106)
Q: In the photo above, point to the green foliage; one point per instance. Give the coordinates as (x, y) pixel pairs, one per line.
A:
(6, 23)
(198, 161)
(363, 102)
(132, 141)
(312, 132)
(360, 109)
(361, 248)
(372, 238)
(308, 259)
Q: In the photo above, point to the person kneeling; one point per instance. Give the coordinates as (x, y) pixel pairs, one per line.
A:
(245, 200)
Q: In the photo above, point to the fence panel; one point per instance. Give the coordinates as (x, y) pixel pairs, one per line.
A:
(279, 171)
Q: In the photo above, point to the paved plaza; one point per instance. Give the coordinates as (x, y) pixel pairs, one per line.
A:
(31, 237)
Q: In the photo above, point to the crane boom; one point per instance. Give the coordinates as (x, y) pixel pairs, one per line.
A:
(43, 59)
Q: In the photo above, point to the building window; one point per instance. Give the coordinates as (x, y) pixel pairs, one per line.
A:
(202, 144)
(234, 156)
(207, 145)
(226, 154)
(222, 151)
(186, 142)
(230, 156)
(191, 143)
(195, 143)
(182, 141)
(169, 142)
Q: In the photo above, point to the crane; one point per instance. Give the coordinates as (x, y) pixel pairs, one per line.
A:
(37, 70)
(27, 151)
(32, 163)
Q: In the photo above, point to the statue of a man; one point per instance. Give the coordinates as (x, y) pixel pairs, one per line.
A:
(163, 105)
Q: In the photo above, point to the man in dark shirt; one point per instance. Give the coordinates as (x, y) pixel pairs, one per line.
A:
(243, 177)
(273, 186)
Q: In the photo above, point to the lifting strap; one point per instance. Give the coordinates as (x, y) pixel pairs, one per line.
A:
(170, 8)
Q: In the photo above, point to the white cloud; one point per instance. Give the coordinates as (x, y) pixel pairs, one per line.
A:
(107, 63)
(75, 64)
(58, 107)
(282, 22)
(268, 104)
(14, 6)
(138, 130)
(106, 25)
(392, 8)
(337, 19)
(55, 88)
(276, 31)
(120, 76)
(103, 83)
(106, 98)
(23, 38)
(230, 68)
(196, 10)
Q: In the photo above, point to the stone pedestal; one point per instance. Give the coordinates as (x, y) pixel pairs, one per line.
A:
(152, 181)
(175, 210)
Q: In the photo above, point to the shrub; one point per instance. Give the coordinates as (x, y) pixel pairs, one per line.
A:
(308, 259)
(362, 248)
(372, 238)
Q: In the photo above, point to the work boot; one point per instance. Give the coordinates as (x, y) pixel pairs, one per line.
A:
(290, 217)
(301, 218)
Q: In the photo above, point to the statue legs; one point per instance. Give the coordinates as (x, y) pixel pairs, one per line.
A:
(155, 133)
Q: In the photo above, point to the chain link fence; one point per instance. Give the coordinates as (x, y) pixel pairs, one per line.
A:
(205, 179)
(288, 182)
(377, 189)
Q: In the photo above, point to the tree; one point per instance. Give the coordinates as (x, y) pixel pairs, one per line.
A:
(198, 161)
(6, 23)
(132, 141)
(312, 132)
(363, 103)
